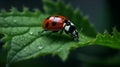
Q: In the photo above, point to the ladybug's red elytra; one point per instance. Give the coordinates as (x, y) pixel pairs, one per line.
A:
(57, 23)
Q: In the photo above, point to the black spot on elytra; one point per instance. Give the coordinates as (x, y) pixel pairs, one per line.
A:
(47, 24)
(54, 23)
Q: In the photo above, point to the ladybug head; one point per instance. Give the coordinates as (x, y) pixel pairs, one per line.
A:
(70, 28)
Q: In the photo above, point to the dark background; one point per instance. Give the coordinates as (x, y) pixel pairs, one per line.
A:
(103, 14)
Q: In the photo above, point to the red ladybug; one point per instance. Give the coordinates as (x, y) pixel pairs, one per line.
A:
(60, 23)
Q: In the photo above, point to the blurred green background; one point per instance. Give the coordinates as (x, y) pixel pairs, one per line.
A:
(103, 14)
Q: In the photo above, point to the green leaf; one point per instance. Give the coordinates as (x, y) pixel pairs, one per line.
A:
(106, 39)
(21, 30)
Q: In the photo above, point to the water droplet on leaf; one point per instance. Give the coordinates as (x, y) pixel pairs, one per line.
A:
(40, 47)
(25, 49)
(14, 20)
(31, 32)
(5, 19)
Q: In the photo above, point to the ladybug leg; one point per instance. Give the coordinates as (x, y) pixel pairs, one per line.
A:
(66, 32)
(42, 31)
(61, 31)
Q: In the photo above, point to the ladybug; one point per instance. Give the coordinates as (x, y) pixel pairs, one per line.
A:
(60, 23)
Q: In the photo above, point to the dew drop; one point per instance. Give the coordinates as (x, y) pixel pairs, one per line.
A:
(60, 48)
(14, 20)
(31, 32)
(24, 49)
(5, 19)
(40, 47)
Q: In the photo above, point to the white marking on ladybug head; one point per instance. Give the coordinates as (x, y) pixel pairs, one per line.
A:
(64, 24)
(67, 28)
